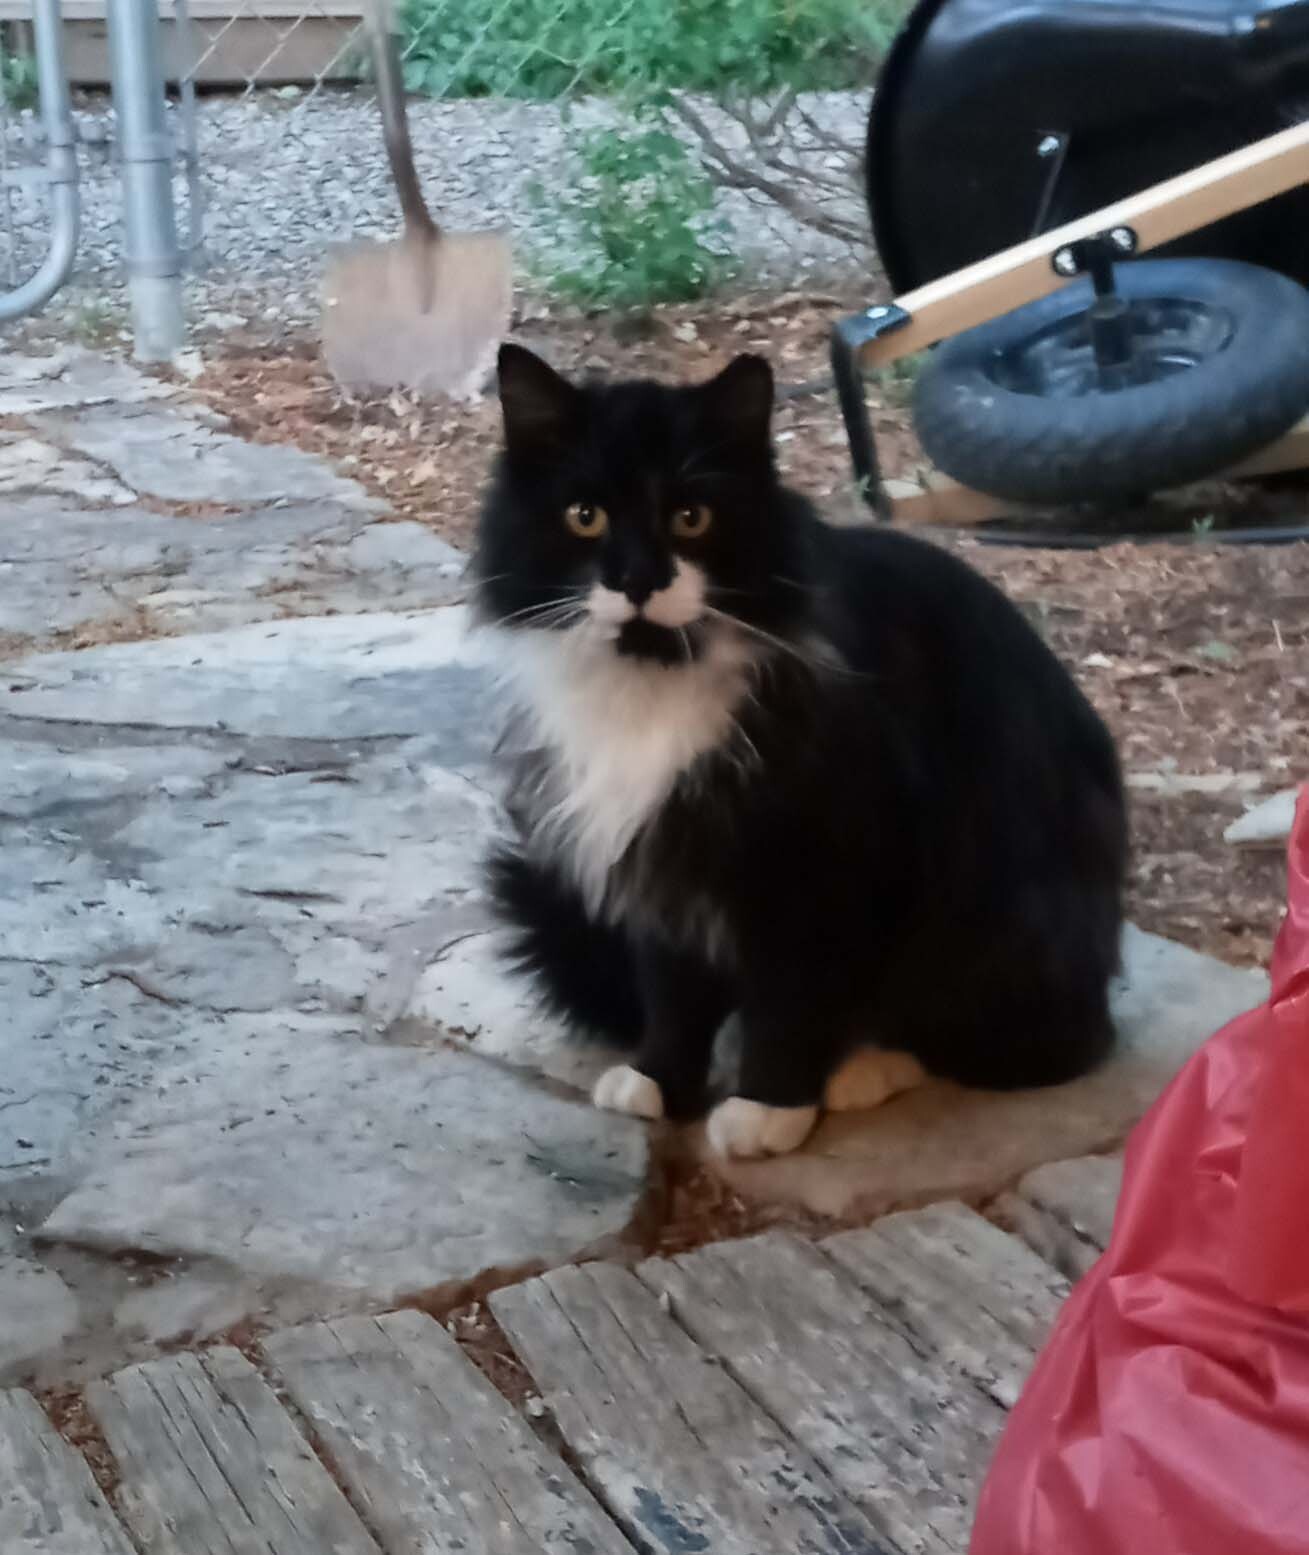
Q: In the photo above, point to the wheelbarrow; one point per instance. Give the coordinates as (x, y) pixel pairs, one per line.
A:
(1073, 371)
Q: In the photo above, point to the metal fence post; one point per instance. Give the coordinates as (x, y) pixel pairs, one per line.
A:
(61, 166)
(154, 259)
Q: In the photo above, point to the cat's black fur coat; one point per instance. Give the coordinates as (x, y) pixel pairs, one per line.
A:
(913, 831)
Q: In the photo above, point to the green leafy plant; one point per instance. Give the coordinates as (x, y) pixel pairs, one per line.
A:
(96, 322)
(18, 80)
(541, 49)
(637, 225)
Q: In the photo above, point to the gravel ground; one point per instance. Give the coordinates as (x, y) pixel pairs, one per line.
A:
(286, 175)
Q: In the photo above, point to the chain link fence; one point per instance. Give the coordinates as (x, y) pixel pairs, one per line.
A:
(638, 150)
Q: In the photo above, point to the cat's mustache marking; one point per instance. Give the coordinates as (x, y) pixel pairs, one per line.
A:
(681, 604)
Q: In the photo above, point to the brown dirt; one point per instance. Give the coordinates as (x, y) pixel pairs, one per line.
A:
(1196, 655)
(70, 1416)
(428, 461)
(702, 1208)
(1198, 658)
(486, 1344)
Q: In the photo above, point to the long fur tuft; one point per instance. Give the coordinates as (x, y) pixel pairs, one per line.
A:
(582, 969)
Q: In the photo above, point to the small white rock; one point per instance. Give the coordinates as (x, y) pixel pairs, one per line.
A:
(1267, 825)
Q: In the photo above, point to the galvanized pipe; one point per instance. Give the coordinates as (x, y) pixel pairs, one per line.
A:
(154, 259)
(61, 167)
(188, 55)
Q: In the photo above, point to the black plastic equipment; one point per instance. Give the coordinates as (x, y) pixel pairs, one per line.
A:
(1098, 395)
(994, 120)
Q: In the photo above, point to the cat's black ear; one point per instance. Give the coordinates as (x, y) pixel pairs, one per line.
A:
(540, 408)
(740, 399)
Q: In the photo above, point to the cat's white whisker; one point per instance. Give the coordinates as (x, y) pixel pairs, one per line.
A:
(549, 611)
(745, 738)
(822, 659)
(773, 641)
(794, 583)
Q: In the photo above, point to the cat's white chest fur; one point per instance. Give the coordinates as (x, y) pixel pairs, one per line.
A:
(622, 731)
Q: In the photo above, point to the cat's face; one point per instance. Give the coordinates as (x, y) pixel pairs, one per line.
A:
(641, 515)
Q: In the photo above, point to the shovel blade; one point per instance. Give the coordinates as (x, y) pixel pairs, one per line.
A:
(425, 314)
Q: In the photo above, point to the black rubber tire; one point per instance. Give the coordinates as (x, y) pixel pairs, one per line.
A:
(1030, 447)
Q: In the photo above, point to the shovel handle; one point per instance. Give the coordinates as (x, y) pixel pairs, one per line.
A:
(395, 123)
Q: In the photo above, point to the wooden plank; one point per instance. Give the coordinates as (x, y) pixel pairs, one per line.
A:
(229, 46)
(906, 1437)
(212, 1465)
(49, 1503)
(678, 1452)
(937, 499)
(1289, 452)
(201, 10)
(1065, 1210)
(1024, 272)
(969, 1253)
(435, 1458)
(961, 1311)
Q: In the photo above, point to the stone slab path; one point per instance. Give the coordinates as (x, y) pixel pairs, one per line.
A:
(128, 511)
(259, 1060)
(769, 1396)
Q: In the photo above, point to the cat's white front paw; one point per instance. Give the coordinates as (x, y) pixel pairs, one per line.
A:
(869, 1077)
(624, 1089)
(740, 1130)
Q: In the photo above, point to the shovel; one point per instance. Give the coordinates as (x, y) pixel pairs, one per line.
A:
(427, 311)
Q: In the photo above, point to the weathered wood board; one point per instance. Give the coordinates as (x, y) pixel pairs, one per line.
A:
(212, 1464)
(49, 1502)
(902, 1433)
(967, 1290)
(436, 1460)
(1065, 1210)
(681, 1456)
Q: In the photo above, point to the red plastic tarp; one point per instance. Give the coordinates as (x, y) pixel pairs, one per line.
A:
(1169, 1412)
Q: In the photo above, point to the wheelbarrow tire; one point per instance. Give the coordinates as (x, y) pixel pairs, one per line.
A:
(991, 410)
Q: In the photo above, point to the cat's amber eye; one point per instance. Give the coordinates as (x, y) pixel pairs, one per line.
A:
(587, 521)
(690, 523)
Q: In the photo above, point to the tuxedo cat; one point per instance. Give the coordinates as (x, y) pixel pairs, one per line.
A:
(830, 780)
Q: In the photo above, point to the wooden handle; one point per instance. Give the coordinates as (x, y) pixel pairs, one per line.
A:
(1157, 215)
(395, 123)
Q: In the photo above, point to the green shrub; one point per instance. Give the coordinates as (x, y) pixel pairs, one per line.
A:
(545, 48)
(636, 227)
(18, 80)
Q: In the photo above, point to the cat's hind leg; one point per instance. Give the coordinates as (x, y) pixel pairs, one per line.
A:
(869, 1077)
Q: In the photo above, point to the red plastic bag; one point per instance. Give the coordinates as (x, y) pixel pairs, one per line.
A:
(1169, 1412)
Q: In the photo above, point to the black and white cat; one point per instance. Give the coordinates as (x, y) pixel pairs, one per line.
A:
(829, 780)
